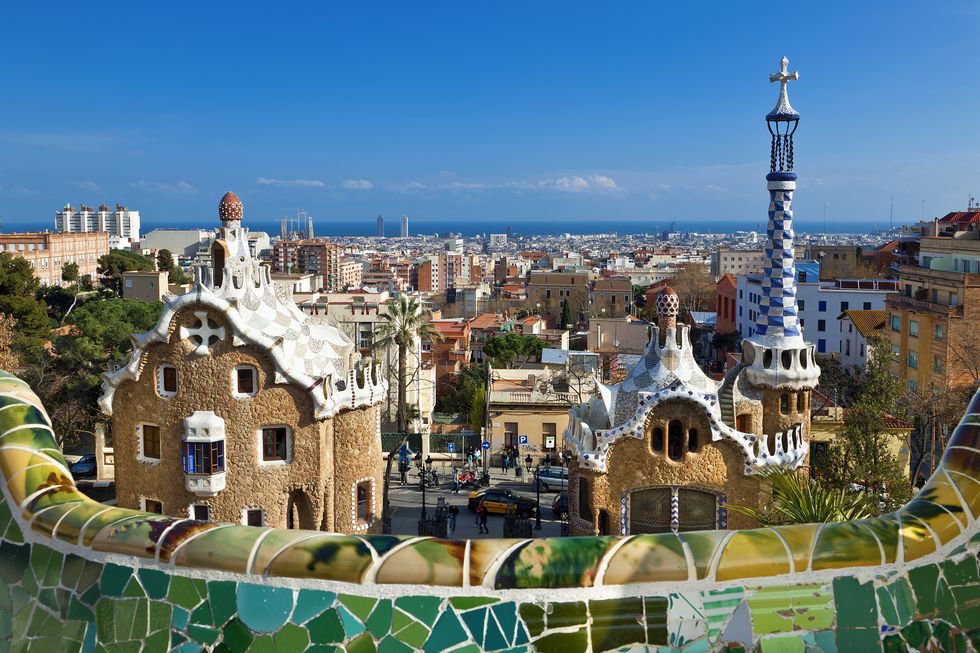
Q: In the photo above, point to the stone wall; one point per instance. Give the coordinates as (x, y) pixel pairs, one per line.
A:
(633, 464)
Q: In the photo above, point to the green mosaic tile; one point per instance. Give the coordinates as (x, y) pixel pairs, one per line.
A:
(782, 644)
(886, 607)
(362, 644)
(180, 618)
(423, 608)
(203, 634)
(202, 615)
(494, 639)
(221, 595)
(186, 592)
(923, 580)
(561, 615)
(446, 633)
(352, 626)
(470, 602)
(476, 622)
(575, 642)
(617, 622)
(46, 564)
(391, 645)
(326, 628)
(859, 640)
(533, 617)
(310, 603)
(655, 608)
(264, 608)
(291, 639)
(154, 582)
(13, 561)
(945, 605)
(114, 579)
(414, 635)
(901, 591)
(236, 636)
(360, 606)
(703, 546)
(506, 615)
(568, 562)
(134, 589)
(379, 623)
(894, 644)
(160, 615)
(855, 604)
(78, 610)
(262, 644)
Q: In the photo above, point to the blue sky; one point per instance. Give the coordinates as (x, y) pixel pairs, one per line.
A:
(450, 110)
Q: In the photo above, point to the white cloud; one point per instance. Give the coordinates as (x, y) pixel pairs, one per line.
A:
(569, 184)
(357, 184)
(89, 186)
(604, 183)
(411, 187)
(164, 188)
(308, 183)
(459, 185)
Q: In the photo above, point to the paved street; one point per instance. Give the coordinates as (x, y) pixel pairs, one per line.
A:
(406, 503)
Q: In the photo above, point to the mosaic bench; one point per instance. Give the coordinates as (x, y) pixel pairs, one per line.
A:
(81, 576)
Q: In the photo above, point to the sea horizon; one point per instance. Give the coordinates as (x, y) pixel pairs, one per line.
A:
(479, 226)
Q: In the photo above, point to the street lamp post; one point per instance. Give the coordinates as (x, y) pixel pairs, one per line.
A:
(528, 463)
(537, 512)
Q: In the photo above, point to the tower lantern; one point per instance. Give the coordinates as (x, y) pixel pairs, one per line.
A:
(782, 122)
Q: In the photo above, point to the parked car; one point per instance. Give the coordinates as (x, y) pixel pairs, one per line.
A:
(560, 505)
(501, 502)
(553, 478)
(84, 467)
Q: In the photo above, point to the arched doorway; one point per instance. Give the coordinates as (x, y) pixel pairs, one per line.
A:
(604, 523)
(299, 511)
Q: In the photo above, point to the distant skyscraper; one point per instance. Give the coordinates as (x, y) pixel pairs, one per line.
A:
(404, 226)
(122, 224)
(381, 227)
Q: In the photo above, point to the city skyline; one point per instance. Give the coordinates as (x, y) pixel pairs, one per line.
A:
(449, 112)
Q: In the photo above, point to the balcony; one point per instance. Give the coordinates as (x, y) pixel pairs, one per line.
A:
(902, 301)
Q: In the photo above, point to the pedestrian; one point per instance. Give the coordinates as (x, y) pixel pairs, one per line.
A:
(481, 517)
(455, 482)
(403, 468)
(451, 518)
(504, 461)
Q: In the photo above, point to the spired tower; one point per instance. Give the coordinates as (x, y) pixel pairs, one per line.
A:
(776, 358)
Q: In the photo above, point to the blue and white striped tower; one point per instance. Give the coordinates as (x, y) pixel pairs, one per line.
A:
(776, 355)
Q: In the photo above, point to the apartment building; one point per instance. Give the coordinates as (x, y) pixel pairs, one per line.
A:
(451, 353)
(820, 303)
(317, 256)
(612, 297)
(350, 274)
(122, 225)
(48, 252)
(726, 260)
(859, 328)
(549, 291)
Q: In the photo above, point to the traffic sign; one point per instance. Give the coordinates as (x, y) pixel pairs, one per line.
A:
(522, 440)
(451, 447)
(485, 445)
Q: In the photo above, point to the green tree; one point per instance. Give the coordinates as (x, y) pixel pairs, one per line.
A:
(68, 379)
(504, 349)
(566, 315)
(795, 498)
(175, 274)
(403, 321)
(18, 286)
(8, 358)
(113, 264)
(69, 272)
(861, 456)
(478, 408)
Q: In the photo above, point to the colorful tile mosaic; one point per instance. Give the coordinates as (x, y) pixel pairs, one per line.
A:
(79, 576)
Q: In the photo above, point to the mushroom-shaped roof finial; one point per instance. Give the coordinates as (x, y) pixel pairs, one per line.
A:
(668, 303)
(230, 209)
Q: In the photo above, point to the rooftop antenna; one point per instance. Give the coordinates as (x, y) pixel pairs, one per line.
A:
(891, 213)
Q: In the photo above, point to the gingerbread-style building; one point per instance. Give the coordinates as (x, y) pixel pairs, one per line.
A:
(237, 407)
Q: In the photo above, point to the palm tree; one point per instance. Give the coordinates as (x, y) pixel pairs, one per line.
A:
(799, 499)
(403, 321)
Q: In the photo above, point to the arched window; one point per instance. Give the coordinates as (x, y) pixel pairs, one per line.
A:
(784, 403)
(658, 440)
(675, 440)
(801, 402)
(218, 261)
(692, 440)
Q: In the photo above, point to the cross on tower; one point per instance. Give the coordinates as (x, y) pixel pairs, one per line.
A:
(784, 76)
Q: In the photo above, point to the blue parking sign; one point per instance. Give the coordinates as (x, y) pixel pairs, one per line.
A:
(451, 447)
(522, 440)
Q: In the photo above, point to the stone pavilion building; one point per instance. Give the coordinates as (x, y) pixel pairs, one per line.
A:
(237, 407)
